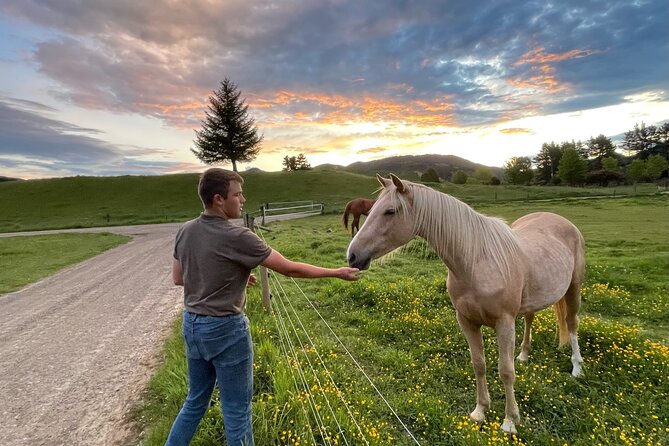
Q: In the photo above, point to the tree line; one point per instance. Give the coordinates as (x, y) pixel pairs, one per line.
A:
(229, 134)
(596, 161)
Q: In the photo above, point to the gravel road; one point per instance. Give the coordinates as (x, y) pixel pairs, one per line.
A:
(78, 348)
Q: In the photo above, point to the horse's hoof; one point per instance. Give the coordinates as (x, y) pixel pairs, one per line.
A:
(478, 415)
(577, 372)
(523, 357)
(509, 427)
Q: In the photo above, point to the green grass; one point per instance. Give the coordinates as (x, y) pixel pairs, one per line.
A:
(76, 202)
(397, 321)
(400, 326)
(24, 260)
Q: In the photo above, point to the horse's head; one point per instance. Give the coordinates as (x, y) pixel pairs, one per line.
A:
(388, 226)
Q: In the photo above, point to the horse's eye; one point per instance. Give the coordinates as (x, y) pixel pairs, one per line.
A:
(390, 212)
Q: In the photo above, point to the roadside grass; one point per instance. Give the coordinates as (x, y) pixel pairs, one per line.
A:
(399, 325)
(24, 260)
(77, 202)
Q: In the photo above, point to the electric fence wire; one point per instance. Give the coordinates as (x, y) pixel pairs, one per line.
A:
(406, 428)
(350, 355)
(286, 345)
(325, 368)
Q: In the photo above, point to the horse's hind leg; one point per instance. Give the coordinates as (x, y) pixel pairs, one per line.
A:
(355, 225)
(506, 333)
(527, 338)
(573, 301)
(475, 340)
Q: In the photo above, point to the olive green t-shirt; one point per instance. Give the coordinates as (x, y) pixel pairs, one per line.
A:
(216, 258)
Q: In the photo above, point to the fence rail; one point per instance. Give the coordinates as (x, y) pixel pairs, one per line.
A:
(286, 210)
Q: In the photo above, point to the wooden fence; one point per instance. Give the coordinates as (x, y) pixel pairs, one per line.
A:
(278, 211)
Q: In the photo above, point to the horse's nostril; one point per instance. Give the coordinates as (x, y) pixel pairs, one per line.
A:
(351, 259)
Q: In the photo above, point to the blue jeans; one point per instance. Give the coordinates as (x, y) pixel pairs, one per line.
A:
(219, 349)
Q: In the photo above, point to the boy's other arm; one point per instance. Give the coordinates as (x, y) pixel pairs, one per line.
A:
(177, 273)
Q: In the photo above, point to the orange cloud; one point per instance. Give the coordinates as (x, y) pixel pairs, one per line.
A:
(544, 77)
(538, 56)
(291, 107)
(373, 150)
(515, 131)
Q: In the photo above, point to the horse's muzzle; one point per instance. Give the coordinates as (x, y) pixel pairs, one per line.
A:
(362, 263)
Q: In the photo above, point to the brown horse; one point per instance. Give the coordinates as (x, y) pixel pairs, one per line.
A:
(495, 272)
(357, 207)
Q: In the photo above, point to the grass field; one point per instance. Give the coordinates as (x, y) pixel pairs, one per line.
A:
(397, 321)
(103, 201)
(24, 260)
(398, 324)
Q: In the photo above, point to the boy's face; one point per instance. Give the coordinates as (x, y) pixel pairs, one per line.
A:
(232, 206)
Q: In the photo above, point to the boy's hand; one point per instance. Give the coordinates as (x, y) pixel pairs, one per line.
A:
(252, 280)
(346, 273)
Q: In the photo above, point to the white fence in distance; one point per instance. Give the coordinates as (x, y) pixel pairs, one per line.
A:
(287, 210)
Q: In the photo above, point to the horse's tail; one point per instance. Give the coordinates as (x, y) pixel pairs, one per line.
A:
(560, 308)
(347, 209)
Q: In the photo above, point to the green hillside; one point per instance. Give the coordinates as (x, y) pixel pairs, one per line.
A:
(77, 202)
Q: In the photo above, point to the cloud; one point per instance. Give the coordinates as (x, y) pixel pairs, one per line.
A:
(373, 150)
(446, 63)
(28, 138)
(516, 131)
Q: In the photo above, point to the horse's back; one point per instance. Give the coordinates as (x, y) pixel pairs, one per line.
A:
(547, 224)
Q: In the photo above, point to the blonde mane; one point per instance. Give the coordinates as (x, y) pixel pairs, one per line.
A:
(456, 230)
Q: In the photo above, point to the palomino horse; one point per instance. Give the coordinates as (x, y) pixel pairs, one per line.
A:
(495, 272)
(357, 207)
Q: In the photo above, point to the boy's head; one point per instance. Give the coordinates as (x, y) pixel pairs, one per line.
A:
(216, 181)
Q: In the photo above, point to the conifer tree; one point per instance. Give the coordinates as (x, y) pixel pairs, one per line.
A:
(228, 133)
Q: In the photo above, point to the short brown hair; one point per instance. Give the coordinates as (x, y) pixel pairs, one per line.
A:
(216, 181)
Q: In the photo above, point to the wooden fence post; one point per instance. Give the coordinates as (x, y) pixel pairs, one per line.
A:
(264, 283)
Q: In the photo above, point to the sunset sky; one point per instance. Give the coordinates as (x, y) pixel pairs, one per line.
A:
(118, 87)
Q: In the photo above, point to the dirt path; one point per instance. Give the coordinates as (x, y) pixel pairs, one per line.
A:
(77, 348)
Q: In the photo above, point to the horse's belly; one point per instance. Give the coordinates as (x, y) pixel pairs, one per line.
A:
(550, 269)
(544, 290)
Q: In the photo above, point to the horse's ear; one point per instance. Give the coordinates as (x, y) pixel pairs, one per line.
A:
(384, 182)
(398, 183)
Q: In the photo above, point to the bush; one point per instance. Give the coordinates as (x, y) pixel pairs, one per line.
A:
(459, 177)
(603, 177)
(430, 176)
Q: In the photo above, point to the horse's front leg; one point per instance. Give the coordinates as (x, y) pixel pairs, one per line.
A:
(506, 330)
(527, 338)
(475, 340)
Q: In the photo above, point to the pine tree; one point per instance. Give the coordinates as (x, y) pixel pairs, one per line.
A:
(547, 161)
(228, 133)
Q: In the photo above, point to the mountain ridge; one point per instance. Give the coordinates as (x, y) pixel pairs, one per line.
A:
(412, 166)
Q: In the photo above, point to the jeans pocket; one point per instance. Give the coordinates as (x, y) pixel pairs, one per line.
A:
(226, 339)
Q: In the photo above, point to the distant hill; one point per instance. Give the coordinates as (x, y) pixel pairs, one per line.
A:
(3, 178)
(410, 167)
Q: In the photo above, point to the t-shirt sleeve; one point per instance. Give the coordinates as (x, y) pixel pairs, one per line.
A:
(250, 250)
(175, 254)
